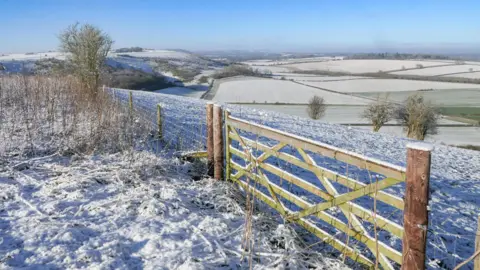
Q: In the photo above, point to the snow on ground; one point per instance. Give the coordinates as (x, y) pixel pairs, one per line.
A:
(361, 66)
(32, 56)
(472, 75)
(450, 97)
(249, 90)
(436, 71)
(183, 91)
(388, 85)
(123, 212)
(157, 54)
(315, 78)
(129, 63)
(273, 69)
(261, 62)
(455, 172)
(335, 114)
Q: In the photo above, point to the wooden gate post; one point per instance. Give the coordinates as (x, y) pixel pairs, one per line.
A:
(217, 142)
(415, 215)
(476, 262)
(210, 159)
(227, 144)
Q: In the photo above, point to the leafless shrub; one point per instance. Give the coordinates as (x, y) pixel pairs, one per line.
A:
(419, 66)
(316, 107)
(378, 112)
(419, 117)
(87, 47)
(203, 79)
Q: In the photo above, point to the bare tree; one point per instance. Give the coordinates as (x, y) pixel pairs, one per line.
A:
(87, 47)
(316, 107)
(418, 116)
(378, 112)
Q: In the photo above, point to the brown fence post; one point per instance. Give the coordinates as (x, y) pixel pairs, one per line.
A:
(415, 215)
(130, 101)
(159, 121)
(227, 144)
(217, 142)
(476, 262)
(210, 159)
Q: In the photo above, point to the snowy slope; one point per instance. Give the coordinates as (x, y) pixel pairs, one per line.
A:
(455, 173)
(167, 54)
(124, 212)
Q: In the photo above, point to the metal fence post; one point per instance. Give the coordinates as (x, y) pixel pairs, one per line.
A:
(415, 216)
(210, 159)
(159, 121)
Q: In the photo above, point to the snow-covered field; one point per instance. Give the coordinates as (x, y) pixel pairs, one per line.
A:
(33, 56)
(156, 54)
(311, 77)
(249, 90)
(435, 71)
(361, 66)
(273, 69)
(455, 173)
(182, 91)
(473, 75)
(389, 85)
(352, 115)
(289, 61)
(451, 97)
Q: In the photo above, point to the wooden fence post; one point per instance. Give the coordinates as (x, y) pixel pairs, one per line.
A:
(159, 121)
(415, 215)
(217, 142)
(476, 262)
(130, 101)
(210, 159)
(227, 145)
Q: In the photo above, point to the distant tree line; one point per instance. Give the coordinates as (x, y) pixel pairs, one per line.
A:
(131, 49)
(398, 56)
(240, 70)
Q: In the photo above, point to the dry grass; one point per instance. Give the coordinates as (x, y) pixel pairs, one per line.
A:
(40, 115)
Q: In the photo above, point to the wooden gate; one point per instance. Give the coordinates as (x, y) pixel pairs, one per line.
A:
(255, 168)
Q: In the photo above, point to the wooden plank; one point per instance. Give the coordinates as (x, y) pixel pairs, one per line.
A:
(326, 237)
(386, 169)
(357, 210)
(415, 216)
(345, 181)
(385, 249)
(344, 198)
(199, 154)
(346, 210)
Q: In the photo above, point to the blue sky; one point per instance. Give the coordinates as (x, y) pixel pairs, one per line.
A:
(275, 25)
